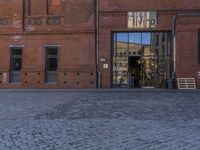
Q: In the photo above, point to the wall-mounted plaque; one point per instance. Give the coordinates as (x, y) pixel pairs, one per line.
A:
(5, 77)
(198, 74)
(142, 19)
(3, 22)
(105, 66)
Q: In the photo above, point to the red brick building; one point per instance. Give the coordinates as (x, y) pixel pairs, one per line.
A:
(91, 43)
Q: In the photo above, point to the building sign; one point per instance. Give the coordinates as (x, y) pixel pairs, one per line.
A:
(142, 20)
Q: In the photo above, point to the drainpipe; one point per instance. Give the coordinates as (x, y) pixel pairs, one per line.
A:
(97, 43)
(175, 17)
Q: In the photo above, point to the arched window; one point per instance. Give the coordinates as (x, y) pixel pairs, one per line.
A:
(42, 7)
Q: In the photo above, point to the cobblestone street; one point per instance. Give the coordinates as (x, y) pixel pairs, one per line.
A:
(99, 120)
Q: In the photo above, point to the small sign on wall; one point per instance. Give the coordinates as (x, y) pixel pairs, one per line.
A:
(4, 77)
(198, 74)
(105, 66)
(3, 22)
(103, 60)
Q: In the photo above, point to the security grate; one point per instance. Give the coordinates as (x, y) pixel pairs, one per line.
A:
(35, 21)
(186, 83)
(54, 21)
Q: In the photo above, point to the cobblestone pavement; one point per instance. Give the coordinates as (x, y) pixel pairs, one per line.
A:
(99, 120)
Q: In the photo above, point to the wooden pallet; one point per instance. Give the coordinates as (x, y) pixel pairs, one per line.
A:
(186, 83)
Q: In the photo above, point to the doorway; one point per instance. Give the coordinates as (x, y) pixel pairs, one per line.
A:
(51, 65)
(141, 59)
(134, 71)
(15, 65)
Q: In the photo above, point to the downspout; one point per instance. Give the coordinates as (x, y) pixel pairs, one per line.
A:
(97, 43)
(175, 17)
(174, 46)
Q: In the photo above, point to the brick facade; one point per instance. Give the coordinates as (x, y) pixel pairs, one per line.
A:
(34, 24)
(70, 25)
(113, 17)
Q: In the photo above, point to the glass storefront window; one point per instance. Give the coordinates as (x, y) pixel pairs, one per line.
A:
(141, 59)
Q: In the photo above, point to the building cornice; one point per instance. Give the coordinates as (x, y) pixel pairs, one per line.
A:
(124, 13)
(84, 32)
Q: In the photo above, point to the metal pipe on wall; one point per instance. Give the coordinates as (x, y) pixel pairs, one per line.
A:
(97, 43)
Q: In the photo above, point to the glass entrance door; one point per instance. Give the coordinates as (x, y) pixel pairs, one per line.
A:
(141, 59)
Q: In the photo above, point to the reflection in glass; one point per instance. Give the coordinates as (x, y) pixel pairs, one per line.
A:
(16, 65)
(51, 64)
(141, 59)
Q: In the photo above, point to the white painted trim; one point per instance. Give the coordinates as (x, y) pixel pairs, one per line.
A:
(16, 46)
(49, 45)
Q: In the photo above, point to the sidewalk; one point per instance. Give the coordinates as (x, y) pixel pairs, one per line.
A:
(99, 90)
